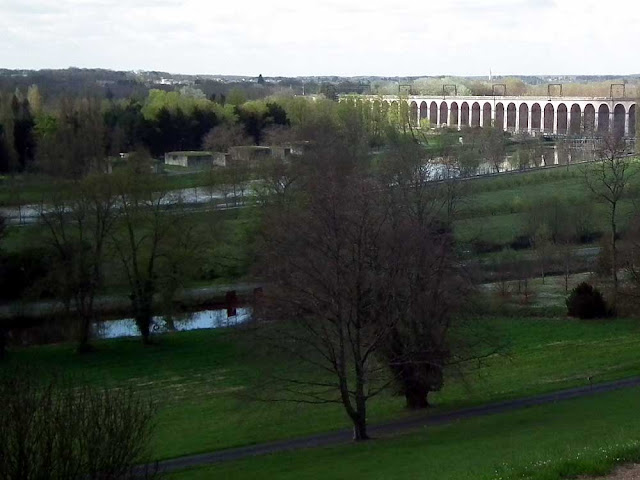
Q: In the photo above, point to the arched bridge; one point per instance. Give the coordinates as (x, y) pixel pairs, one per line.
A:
(552, 115)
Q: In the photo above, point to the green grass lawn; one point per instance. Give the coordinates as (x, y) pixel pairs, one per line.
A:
(203, 380)
(550, 442)
(31, 188)
(224, 246)
(492, 210)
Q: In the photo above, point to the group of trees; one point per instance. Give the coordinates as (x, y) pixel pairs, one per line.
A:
(364, 280)
(503, 85)
(128, 219)
(76, 135)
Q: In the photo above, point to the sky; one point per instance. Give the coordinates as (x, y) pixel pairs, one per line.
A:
(324, 37)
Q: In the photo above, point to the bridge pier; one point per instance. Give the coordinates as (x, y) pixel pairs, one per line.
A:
(626, 125)
(577, 112)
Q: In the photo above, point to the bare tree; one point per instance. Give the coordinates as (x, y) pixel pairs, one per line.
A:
(492, 146)
(543, 248)
(222, 137)
(79, 222)
(631, 258)
(609, 179)
(434, 288)
(50, 430)
(280, 180)
(153, 240)
(278, 135)
(329, 268)
(3, 329)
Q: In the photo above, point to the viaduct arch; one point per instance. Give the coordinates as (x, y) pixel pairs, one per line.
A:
(550, 115)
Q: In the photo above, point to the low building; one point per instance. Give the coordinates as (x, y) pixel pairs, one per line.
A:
(252, 155)
(221, 159)
(189, 159)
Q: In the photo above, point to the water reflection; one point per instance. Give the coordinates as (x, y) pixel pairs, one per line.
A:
(545, 156)
(126, 327)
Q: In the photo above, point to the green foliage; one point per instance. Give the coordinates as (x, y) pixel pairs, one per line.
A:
(174, 101)
(23, 273)
(236, 97)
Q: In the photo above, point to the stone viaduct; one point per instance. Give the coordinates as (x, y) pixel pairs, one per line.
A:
(552, 115)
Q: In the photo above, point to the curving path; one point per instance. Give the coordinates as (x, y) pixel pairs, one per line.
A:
(394, 427)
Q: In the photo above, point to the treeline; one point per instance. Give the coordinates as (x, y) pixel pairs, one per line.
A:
(79, 134)
(506, 85)
(118, 85)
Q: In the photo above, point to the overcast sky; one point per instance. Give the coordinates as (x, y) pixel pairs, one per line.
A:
(324, 37)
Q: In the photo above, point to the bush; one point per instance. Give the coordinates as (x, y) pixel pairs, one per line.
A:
(585, 301)
(49, 430)
(22, 273)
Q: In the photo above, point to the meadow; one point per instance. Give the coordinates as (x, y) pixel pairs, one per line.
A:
(203, 380)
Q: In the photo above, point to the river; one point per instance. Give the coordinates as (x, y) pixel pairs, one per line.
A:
(205, 319)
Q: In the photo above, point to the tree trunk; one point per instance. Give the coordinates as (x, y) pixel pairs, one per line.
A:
(3, 342)
(614, 254)
(417, 397)
(144, 325)
(413, 385)
(359, 428)
(143, 312)
(84, 336)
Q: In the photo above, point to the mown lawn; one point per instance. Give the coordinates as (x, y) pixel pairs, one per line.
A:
(550, 442)
(31, 188)
(204, 381)
(224, 246)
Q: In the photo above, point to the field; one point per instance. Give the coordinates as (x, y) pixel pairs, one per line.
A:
(205, 383)
(203, 379)
(493, 212)
(551, 442)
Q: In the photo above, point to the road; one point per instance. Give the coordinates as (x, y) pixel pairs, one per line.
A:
(412, 423)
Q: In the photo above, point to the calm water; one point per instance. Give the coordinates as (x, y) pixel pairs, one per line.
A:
(545, 156)
(126, 327)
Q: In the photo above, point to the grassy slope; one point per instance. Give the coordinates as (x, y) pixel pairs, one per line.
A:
(544, 443)
(225, 238)
(201, 379)
(492, 210)
(25, 189)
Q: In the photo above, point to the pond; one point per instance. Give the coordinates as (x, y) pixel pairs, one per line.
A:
(57, 331)
(126, 327)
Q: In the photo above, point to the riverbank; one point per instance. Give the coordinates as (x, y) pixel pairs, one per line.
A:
(19, 314)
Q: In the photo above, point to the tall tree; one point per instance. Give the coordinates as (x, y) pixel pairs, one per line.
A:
(155, 244)
(72, 143)
(492, 146)
(79, 222)
(431, 332)
(609, 179)
(329, 271)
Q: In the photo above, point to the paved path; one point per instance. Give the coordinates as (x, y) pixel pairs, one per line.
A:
(399, 426)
